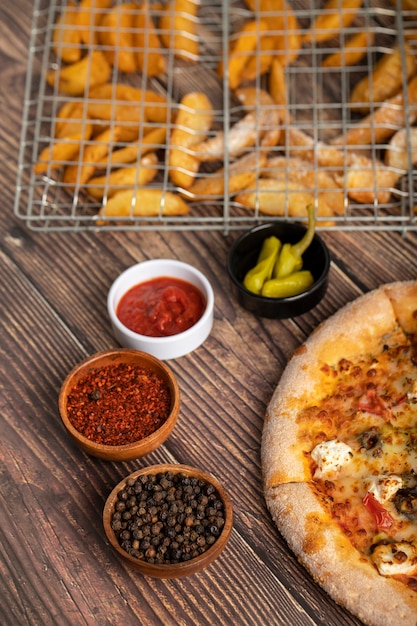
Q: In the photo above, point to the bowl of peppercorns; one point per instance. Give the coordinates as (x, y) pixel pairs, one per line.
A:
(119, 405)
(168, 521)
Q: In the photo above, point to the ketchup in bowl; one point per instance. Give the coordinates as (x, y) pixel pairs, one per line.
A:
(161, 307)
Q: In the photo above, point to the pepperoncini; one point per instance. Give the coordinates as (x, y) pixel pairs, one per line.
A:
(291, 285)
(291, 258)
(256, 277)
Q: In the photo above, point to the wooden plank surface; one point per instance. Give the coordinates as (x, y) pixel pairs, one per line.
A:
(56, 567)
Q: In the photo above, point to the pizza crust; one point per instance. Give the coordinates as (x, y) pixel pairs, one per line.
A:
(332, 561)
(361, 327)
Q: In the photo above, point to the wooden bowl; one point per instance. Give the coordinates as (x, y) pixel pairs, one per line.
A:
(183, 568)
(126, 451)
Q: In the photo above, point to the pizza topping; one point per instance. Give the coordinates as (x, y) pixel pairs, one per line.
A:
(412, 394)
(369, 439)
(371, 402)
(383, 518)
(383, 488)
(330, 456)
(405, 501)
(397, 558)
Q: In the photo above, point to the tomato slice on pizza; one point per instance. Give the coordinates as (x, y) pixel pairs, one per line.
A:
(339, 455)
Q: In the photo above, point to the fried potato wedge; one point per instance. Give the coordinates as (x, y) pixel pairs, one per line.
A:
(381, 124)
(309, 178)
(144, 202)
(240, 174)
(289, 41)
(72, 118)
(125, 102)
(401, 152)
(92, 153)
(365, 180)
(333, 17)
(58, 154)
(278, 89)
(281, 198)
(260, 63)
(149, 56)
(66, 37)
(243, 47)
(123, 178)
(192, 123)
(89, 16)
(280, 18)
(260, 102)
(116, 36)
(178, 29)
(153, 140)
(353, 51)
(76, 78)
(386, 79)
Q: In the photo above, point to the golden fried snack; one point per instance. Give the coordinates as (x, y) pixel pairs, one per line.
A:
(386, 79)
(116, 36)
(260, 62)
(278, 90)
(89, 16)
(144, 202)
(260, 102)
(119, 179)
(242, 48)
(309, 178)
(74, 79)
(280, 198)
(401, 152)
(191, 125)
(93, 152)
(71, 128)
(333, 17)
(66, 37)
(128, 106)
(261, 124)
(364, 179)
(379, 126)
(353, 51)
(72, 118)
(149, 57)
(178, 29)
(289, 39)
(153, 140)
(283, 26)
(241, 174)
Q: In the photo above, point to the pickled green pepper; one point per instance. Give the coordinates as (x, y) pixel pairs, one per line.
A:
(255, 277)
(291, 258)
(286, 286)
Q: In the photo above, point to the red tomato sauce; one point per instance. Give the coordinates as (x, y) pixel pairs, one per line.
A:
(161, 307)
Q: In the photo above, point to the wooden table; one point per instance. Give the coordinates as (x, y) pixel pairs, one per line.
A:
(56, 566)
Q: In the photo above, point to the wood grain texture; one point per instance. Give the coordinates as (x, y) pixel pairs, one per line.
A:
(56, 568)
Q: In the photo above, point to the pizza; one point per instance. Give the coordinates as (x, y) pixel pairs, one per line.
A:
(339, 455)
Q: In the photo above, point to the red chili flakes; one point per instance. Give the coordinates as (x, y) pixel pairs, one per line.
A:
(119, 404)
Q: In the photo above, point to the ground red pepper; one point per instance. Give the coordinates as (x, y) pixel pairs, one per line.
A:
(161, 307)
(119, 404)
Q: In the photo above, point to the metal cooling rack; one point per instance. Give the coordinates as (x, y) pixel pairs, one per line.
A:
(318, 110)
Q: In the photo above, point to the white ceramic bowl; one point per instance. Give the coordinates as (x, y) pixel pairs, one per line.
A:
(173, 346)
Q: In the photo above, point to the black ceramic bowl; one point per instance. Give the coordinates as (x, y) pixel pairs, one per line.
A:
(243, 256)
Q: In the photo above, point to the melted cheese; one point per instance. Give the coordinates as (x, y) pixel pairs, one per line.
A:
(330, 456)
(383, 488)
(396, 558)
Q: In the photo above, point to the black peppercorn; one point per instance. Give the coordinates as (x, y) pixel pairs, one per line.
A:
(167, 518)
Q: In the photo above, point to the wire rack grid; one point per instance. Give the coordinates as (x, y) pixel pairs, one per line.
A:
(218, 115)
